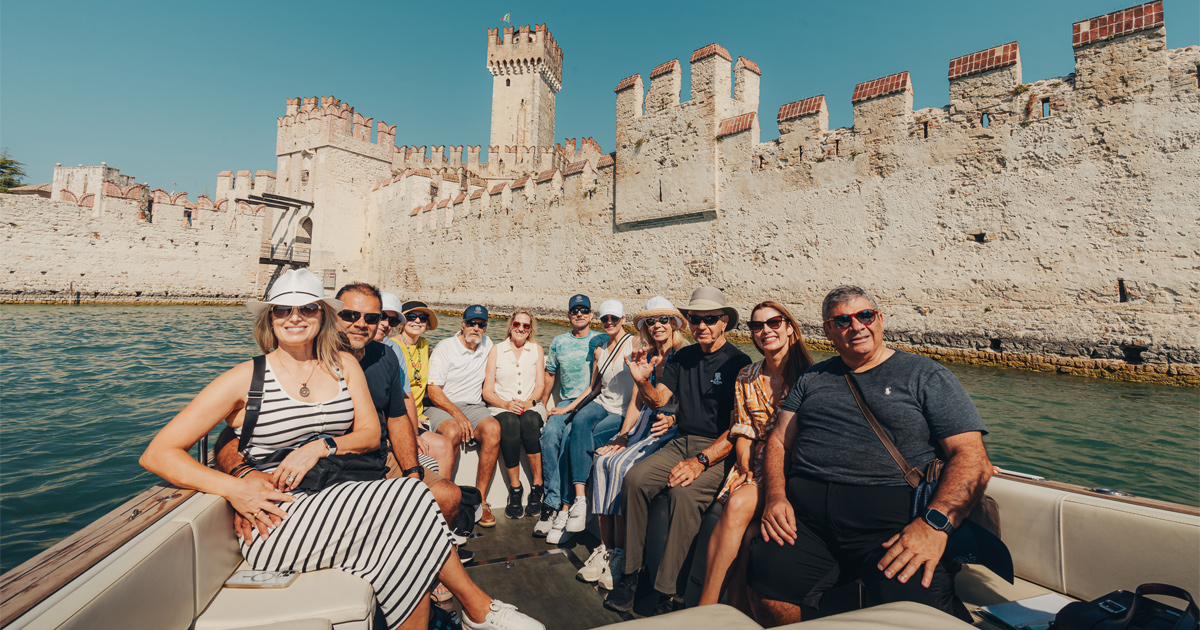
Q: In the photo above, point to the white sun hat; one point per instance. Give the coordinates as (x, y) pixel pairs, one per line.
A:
(391, 302)
(658, 305)
(296, 287)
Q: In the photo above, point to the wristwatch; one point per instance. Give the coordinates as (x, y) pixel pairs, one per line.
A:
(703, 459)
(419, 469)
(938, 521)
(332, 446)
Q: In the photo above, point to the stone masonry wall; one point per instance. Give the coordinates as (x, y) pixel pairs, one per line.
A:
(991, 232)
(61, 252)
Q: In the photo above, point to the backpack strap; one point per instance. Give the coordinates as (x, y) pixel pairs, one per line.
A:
(253, 405)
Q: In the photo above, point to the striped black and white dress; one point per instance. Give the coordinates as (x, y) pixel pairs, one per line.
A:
(388, 532)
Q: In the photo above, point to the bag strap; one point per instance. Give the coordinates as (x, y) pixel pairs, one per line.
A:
(596, 392)
(253, 404)
(1187, 620)
(911, 475)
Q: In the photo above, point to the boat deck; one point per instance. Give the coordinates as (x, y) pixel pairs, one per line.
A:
(539, 579)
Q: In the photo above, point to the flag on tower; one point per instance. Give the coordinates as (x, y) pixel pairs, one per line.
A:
(506, 17)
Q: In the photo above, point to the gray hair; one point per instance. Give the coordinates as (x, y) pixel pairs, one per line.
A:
(841, 295)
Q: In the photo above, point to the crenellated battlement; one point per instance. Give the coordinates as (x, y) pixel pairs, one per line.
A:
(525, 50)
(313, 122)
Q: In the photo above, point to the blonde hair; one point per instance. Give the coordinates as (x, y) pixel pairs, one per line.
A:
(798, 358)
(513, 318)
(326, 345)
(676, 341)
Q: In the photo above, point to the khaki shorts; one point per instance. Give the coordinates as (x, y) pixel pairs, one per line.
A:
(474, 412)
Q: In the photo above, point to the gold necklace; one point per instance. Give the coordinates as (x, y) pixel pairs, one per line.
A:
(304, 391)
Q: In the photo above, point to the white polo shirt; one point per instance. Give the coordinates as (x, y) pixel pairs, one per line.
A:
(458, 371)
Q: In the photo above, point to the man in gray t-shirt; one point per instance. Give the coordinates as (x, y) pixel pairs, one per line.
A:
(842, 510)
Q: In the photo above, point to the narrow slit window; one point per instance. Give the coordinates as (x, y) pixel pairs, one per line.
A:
(984, 121)
(925, 130)
(837, 147)
(1122, 291)
(1045, 108)
(187, 214)
(507, 82)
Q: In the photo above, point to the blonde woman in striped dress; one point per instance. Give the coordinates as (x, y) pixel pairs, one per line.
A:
(315, 402)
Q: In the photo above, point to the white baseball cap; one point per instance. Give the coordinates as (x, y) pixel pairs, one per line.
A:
(611, 307)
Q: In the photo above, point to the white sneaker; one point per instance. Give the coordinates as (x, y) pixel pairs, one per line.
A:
(590, 572)
(542, 527)
(503, 616)
(577, 519)
(556, 530)
(613, 570)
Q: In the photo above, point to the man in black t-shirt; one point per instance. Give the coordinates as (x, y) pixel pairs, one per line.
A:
(701, 379)
(842, 510)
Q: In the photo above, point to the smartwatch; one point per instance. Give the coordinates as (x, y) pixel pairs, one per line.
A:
(703, 459)
(938, 521)
(419, 469)
(332, 446)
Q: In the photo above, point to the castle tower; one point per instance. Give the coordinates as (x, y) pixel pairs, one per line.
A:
(526, 69)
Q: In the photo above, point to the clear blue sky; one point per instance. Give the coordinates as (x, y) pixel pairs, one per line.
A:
(173, 92)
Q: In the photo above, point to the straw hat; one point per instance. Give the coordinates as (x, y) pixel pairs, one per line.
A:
(711, 299)
(296, 287)
(417, 305)
(658, 306)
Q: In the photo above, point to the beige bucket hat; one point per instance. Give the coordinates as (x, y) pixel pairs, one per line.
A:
(711, 299)
(295, 287)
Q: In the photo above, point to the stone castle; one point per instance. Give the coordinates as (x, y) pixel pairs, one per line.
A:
(1049, 224)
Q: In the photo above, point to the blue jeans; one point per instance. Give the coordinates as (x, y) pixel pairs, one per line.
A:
(556, 437)
(567, 449)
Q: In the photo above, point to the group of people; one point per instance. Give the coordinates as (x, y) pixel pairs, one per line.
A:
(810, 498)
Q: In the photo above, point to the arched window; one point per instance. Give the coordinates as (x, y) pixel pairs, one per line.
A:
(304, 235)
(507, 82)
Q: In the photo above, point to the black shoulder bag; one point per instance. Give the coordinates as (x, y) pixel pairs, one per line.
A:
(1122, 610)
(327, 471)
(596, 392)
(977, 539)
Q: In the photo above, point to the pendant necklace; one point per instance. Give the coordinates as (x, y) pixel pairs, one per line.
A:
(304, 391)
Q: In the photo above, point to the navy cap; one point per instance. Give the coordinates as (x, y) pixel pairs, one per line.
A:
(579, 300)
(475, 311)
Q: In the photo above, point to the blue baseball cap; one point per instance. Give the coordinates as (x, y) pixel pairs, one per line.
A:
(579, 300)
(475, 311)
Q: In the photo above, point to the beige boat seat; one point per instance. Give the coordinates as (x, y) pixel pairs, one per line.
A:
(331, 596)
(894, 616)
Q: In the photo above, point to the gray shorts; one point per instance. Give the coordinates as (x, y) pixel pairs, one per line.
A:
(474, 413)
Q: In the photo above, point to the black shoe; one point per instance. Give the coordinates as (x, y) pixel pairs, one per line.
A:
(621, 598)
(667, 605)
(465, 555)
(513, 509)
(534, 506)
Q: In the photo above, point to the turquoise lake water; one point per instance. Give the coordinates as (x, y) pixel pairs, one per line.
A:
(83, 389)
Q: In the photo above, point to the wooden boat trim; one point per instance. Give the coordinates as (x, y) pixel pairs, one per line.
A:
(1131, 500)
(33, 581)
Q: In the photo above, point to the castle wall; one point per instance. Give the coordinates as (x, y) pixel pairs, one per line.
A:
(59, 251)
(1064, 241)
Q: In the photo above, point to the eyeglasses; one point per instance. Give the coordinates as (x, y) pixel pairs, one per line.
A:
(418, 317)
(521, 326)
(477, 323)
(282, 312)
(708, 320)
(774, 323)
(393, 320)
(661, 319)
(866, 316)
(609, 319)
(351, 317)
(581, 310)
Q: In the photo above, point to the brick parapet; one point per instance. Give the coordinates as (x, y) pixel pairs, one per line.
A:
(710, 50)
(1000, 56)
(1117, 24)
(891, 84)
(798, 109)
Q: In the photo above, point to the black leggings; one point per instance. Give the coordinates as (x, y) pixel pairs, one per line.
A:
(516, 431)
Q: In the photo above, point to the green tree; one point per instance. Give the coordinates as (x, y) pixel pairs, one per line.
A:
(10, 171)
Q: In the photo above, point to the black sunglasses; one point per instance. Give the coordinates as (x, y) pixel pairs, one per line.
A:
(609, 319)
(708, 320)
(581, 310)
(477, 323)
(418, 317)
(866, 316)
(308, 310)
(774, 323)
(350, 317)
(661, 319)
(393, 320)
